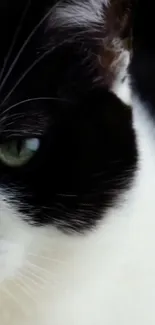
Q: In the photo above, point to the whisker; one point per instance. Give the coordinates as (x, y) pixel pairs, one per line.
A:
(31, 67)
(24, 46)
(24, 290)
(24, 75)
(28, 278)
(40, 269)
(44, 281)
(47, 258)
(30, 100)
(15, 39)
(66, 195)
(19, 133)
(28, 287)
(36, 276)
(10, 117)
(9, 294)
(40, 282)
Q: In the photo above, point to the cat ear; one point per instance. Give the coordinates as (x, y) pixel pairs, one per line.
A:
(97, 27)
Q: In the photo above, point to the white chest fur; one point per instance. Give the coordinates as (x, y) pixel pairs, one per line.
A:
(106, 277)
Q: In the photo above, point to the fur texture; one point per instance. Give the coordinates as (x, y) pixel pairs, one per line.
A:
(77, 221)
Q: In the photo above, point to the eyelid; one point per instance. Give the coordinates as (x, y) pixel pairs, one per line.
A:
(19, 135)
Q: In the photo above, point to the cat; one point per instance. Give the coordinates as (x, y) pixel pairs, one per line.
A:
(77, 163)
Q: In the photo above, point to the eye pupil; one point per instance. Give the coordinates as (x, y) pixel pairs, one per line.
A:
(19, 147)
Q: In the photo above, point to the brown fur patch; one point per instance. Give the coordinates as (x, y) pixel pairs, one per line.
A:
(117, 38)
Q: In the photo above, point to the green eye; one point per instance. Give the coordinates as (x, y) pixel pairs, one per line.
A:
(16, 153)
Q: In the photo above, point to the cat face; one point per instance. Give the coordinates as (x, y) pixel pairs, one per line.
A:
(67, 145)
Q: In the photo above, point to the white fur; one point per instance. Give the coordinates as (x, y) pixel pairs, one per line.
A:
(105, 277)
(78, 13)
(121, 84)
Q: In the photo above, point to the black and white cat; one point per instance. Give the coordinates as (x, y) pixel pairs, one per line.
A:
(77, 163)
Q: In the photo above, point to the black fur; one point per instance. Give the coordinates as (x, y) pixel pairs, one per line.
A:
(88, 153)
(142, 68)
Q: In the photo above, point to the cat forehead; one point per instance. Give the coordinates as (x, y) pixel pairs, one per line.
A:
(23, 26)
(78, 13)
